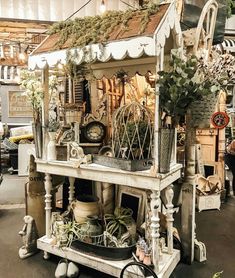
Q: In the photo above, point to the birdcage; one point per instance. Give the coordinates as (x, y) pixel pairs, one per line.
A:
(132, 132)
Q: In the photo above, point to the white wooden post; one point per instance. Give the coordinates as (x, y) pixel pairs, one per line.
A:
(189, 194)
(48, 198)
(71, 189)
(155, 225)
(159, 66)
(45, 111)
(169, 217)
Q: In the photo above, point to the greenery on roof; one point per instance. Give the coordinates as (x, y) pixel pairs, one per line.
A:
(88, 30)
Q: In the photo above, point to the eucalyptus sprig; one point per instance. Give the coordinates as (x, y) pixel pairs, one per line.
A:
(183, 84)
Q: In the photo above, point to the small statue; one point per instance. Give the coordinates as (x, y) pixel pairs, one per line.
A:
(29, 235)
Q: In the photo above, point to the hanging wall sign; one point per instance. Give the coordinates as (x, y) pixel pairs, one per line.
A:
(219, 119)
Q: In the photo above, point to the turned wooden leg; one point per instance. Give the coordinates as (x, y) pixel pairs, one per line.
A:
(71, 189)
(155, 225)
(46, 255)
(48, 197)
(169, 217)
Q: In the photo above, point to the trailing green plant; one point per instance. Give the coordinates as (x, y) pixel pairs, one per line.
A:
(96, 29)
(116, 223)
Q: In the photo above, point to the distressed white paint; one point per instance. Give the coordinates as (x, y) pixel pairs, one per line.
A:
(169, 197)
(48, 198)
(110, 267)
(71, 189)
(118, 50)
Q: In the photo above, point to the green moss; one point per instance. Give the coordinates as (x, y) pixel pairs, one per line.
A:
(88, 30)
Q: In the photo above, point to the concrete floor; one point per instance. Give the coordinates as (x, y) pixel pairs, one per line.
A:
(214, 228)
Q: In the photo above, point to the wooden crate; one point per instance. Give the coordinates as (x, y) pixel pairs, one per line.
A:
(205, 202)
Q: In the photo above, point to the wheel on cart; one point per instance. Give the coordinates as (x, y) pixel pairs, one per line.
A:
(137, 269)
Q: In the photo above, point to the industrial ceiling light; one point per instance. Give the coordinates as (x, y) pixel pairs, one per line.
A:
(102, 6)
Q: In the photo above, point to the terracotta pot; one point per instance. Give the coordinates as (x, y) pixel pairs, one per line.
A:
(85, 206)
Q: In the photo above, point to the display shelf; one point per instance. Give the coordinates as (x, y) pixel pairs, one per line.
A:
(138, 179)
(166, 266)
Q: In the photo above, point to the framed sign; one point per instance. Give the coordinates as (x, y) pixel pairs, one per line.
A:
(19, 104)
(134, 199)
(219, 119)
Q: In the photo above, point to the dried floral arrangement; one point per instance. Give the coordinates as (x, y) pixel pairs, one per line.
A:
(220, 68)
(33, 86)
(75, 31)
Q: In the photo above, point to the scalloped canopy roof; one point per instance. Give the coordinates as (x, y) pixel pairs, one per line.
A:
(119, 33)
(122, 43)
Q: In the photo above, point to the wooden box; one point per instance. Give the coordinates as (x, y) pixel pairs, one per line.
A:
(208, 202)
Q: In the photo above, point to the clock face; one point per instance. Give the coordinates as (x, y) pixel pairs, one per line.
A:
(94, 132)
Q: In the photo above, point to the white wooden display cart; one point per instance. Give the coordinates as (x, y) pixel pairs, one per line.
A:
(136, 53)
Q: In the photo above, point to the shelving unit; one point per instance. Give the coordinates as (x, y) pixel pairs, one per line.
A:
(133, 53)
(166, 262)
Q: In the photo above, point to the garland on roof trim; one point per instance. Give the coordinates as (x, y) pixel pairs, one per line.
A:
(75, 32)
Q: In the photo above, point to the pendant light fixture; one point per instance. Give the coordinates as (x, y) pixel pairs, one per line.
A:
(102, 6)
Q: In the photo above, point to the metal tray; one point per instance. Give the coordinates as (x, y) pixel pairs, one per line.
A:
(108, 253)
(123, 164)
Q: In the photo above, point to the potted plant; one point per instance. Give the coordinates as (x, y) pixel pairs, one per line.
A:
(118, 223)
(179, 87)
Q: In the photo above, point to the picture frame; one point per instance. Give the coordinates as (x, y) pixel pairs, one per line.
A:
(19, 105)
(134, 199)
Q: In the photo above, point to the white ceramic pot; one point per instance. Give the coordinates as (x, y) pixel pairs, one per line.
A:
(51, 147)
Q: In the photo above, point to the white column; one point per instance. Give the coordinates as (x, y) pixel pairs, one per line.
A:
(12, 71)
(21, 9)
(90, 9)
(5, 72)
(71, 189)
(31, 7)
(48, 198)
(11, 51)
(159, 66)
(169, 217)
(56, 11)
(7, 9)
(77, 5)
(43, 10)
(155, 225)
(45, 110)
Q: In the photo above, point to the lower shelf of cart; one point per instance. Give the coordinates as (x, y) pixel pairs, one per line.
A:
(167, 264)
